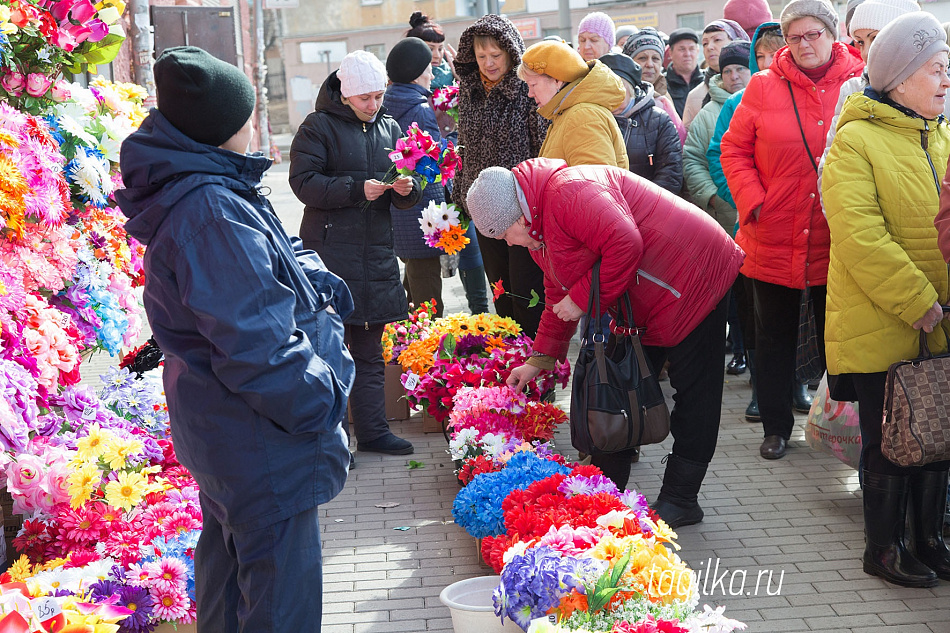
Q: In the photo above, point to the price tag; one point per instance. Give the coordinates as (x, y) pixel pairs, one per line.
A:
(412, 381)
(46, 608)
(64, 321)
(89, 412)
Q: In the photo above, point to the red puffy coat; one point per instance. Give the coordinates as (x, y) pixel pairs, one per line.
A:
(673, 258)
(766, 164)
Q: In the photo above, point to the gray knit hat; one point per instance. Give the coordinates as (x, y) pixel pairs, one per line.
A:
(849, 12)
(902, 47)
(646, 39)
(818, 9)
(492, 201)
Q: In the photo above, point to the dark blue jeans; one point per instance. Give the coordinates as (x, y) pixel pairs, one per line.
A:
(264, 580)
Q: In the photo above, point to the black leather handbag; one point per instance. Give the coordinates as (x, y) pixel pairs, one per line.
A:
(616, 399)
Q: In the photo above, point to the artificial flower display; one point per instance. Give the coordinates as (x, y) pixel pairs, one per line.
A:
(447, 100)
(417, 154)
(443, 228)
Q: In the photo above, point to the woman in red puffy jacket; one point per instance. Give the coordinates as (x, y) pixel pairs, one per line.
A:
(770, 157)
(674, 260)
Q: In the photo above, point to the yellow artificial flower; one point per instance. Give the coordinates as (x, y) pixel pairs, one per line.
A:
(89, 448)
(117, 451)
(127, 490)
(21, 569)
(83, 482)
(54, 563)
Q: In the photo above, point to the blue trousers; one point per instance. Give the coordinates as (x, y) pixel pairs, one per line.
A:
(264, 580)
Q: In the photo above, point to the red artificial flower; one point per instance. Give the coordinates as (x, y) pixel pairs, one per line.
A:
(497, 290)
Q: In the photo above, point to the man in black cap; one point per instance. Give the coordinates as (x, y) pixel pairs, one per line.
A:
(683, 74)
(256, 372)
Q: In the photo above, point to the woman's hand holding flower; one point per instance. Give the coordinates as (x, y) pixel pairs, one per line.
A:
(521, 376)
(403, 185)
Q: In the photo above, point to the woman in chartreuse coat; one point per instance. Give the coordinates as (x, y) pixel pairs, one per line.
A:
(887, 278)
(579, 98)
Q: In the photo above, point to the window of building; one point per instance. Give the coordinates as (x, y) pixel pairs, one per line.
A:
(379, 50)
(368, 3)
(695, 21)
(465, 8)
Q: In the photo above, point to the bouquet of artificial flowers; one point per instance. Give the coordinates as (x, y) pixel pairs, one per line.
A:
(418, 154)
(443, 227)
(447, 100)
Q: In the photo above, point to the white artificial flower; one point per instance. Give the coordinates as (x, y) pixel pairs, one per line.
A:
(431, 220)
(73, 127)
(517, 549)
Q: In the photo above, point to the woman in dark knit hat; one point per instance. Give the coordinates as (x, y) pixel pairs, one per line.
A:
(407, 100)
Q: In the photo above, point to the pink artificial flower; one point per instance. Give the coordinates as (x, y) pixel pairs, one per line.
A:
(14, 82)
(37, 84)
(168, 574)
(57, 483)
(407, 154)
(60, 91)
(98, 30)
(169, 604)
(25, 476)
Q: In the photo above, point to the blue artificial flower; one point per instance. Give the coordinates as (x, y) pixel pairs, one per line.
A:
(427, 168)
(477, 508)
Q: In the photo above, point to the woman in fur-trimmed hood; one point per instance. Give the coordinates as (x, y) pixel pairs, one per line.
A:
(499, 125)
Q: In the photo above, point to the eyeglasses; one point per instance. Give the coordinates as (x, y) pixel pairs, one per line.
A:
(810, 36)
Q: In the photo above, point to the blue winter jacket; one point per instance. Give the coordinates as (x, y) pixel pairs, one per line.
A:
(256, 373)
(714, 152)
(408, 104)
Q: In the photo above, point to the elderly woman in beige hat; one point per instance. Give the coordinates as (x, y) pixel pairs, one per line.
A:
(887, 279)
(579, 98)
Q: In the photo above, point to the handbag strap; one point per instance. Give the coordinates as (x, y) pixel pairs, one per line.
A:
(800, 128)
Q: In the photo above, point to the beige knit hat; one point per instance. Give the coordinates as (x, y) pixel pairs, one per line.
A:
(492, 201)
(902, 47)
(819, 9)
(360, 73)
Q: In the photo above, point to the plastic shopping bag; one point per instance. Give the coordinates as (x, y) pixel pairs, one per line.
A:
(833, 427)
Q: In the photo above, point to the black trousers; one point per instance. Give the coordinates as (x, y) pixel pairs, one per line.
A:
(519, 275)
(870, 389)
(696, 374)
(368, 397)
(745, 307)
(776, 329)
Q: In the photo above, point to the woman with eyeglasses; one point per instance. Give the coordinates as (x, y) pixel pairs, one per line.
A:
(770, 157)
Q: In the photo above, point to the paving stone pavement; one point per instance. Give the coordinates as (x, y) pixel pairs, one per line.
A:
(786, 535)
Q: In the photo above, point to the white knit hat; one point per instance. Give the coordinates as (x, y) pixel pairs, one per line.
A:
(361, 72)
(874, 15)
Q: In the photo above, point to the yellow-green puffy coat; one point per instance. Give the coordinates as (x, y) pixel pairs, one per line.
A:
(583, 129)
(881, 189)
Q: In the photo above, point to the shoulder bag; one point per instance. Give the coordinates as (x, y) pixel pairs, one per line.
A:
(616, 399)
(916, 428)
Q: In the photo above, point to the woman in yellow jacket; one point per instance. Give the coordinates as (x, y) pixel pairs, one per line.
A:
(887, 279)
(579, 98)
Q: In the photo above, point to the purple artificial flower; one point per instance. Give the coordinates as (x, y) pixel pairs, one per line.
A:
(635, 501)
(18, 410)
(580, 485)
(103, 590)
(140, 602)
(469, 344)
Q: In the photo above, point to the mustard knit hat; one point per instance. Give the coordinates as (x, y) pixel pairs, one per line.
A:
(555, 59)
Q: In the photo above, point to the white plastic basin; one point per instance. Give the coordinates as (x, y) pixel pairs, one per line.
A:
(469, 602)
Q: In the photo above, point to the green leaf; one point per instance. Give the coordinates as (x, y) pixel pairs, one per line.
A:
(413, 464)
(535, 299)
(103, 51)
(447, 349)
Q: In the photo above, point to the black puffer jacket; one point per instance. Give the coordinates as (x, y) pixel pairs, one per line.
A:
(653, 145)
(408, 104)
(500, 127)
(333, 154)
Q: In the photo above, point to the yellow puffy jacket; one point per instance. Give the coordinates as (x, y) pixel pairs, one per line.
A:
(881, 188)
(583, 130)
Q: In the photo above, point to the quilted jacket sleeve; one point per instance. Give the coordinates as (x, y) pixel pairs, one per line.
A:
(695, 168)
(860, 237)
(942, 221)
(669, 154)
(257, 350)
(309, 166)
(329, 288)
(738, 152)
(714, 153)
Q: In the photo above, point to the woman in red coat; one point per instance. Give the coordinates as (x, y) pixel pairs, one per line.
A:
(674, 260)
(770, 157)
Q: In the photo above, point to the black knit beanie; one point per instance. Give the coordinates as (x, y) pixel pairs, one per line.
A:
(207, 99)
(407, 60)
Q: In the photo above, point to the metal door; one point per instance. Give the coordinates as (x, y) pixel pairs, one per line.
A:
(210, 28)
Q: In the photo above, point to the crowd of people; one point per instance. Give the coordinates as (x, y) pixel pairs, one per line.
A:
(730, 180)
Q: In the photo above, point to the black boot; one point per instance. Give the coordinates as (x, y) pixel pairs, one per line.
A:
(677, 502)
(737, 365)
(928, 491)
(885, 510)
(752, 411)
(801, 399)
(475, 282)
